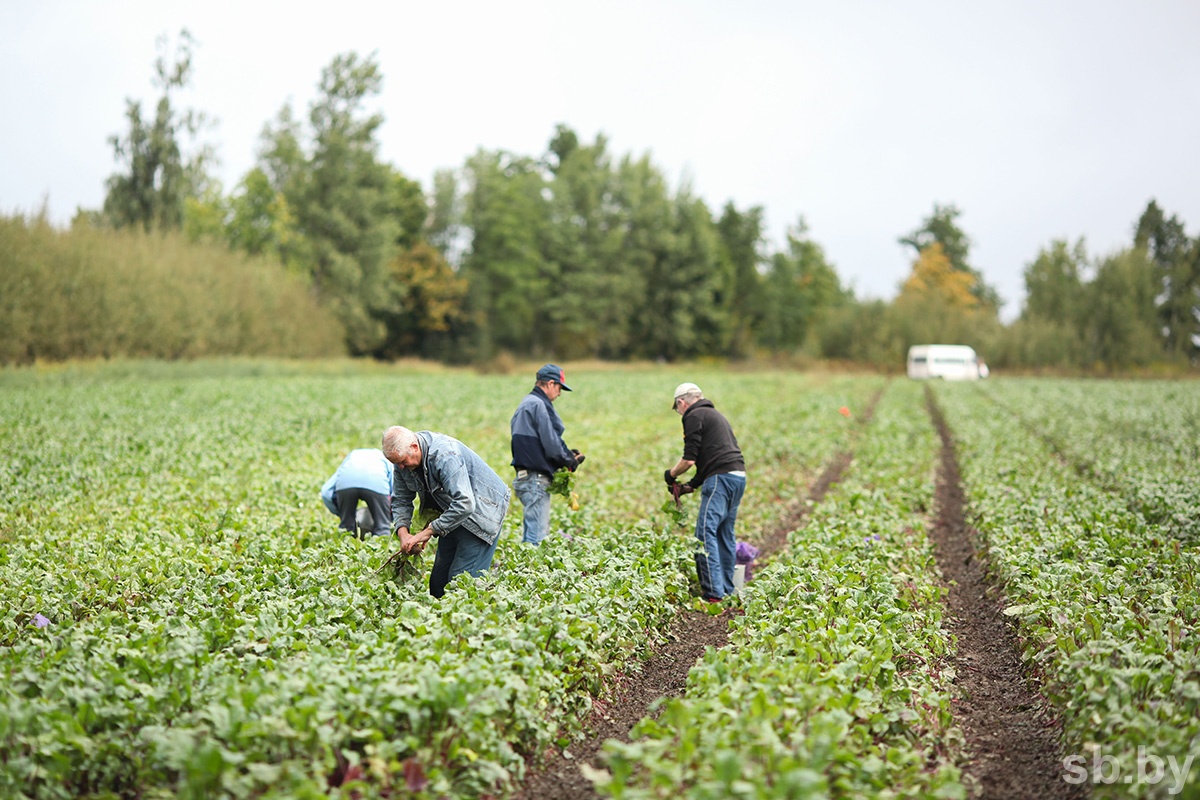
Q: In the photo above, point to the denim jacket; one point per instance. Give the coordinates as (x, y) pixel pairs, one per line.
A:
(469, 492)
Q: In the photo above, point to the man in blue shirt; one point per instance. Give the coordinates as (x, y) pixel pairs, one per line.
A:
(451, 480)
(538, 450)
(367, 476)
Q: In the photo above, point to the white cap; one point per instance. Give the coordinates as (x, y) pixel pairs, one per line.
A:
(682, 389)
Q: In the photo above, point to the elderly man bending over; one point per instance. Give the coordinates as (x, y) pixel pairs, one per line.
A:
(450, 478)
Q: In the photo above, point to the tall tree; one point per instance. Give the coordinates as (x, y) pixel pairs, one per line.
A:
(942, 228)
(407, 207)
(261, 222)
(1052, 329)
(156, 176)
(684, 304)
(445, 229)
(509, 282)
(1176, 260)
(343, 198)
(799, 290)
(1123, 325)
(742, 239)
(595, 286)
(1054, 283)
(647, 252)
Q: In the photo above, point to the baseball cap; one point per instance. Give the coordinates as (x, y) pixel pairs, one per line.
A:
(681, 390)
(553, 372)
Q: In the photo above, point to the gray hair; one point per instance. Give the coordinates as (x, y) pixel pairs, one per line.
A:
(691, 397)
(396, 440)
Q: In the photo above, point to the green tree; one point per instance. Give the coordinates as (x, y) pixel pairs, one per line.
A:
(683, 313)
(646, 250)
(406, 205)
(156, 178)
(1176, 260)
(1051, 329)
(509, 281)
(261, 223)
(799, 290)
(595, 287)
(343, 199)
(1054, 283)
(742, 239)
(942, 228)
(1123, 325)
(445, 229)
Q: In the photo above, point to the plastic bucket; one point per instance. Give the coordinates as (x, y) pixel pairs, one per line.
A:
(366, 522)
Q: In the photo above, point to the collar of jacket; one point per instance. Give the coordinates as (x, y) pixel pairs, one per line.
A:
(423, 439)
(701, 403)
(540, 395)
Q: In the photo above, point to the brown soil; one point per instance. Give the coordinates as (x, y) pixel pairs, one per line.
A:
(664, 675)
(1012, 735)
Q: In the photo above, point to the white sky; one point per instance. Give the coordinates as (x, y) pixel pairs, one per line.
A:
(1039, 120)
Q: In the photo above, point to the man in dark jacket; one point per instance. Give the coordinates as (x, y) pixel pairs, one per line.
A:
(710, 446)
(538, 450)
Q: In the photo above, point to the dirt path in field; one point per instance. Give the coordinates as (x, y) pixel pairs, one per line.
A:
(1012, 734)
(665, 674)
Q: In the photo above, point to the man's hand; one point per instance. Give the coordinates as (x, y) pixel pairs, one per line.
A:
(416, 542)
(668, 477)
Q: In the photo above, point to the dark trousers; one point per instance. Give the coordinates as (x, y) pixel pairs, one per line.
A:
(459, 551)
(377, 504)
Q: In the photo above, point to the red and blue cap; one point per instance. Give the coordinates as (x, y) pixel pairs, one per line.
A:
(553, 372)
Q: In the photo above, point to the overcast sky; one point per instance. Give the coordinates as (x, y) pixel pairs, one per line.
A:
(1039, 120)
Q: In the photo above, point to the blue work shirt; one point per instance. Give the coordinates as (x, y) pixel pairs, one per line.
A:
(365, 468)
(537, 430)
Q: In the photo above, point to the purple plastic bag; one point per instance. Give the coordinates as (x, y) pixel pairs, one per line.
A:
(745, 554)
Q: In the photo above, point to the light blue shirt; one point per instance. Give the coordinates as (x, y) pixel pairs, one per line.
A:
(362, 469)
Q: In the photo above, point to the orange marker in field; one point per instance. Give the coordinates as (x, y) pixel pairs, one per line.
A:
(845, 412)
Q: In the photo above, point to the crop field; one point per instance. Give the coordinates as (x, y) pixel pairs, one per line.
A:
(181, 617)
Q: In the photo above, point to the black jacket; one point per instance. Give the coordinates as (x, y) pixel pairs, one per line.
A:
(708, 440)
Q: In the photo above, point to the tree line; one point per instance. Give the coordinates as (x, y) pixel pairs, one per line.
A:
(578, 252)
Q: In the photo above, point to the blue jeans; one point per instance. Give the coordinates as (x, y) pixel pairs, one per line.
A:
(720, 497)
(459, 551)
(534, 493)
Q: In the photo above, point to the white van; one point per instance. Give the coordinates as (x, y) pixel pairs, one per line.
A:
(954, 362)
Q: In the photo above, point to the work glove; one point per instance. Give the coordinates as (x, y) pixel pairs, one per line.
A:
(668, 477)
(677, 489)
(579, 457)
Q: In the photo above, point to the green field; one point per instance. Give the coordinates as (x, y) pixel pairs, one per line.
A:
(181, 616)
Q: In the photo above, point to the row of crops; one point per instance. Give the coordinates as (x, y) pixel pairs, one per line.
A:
(180, 616)
(1104, 592)
(836, 680)
(183, 618)
(1142, 446)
